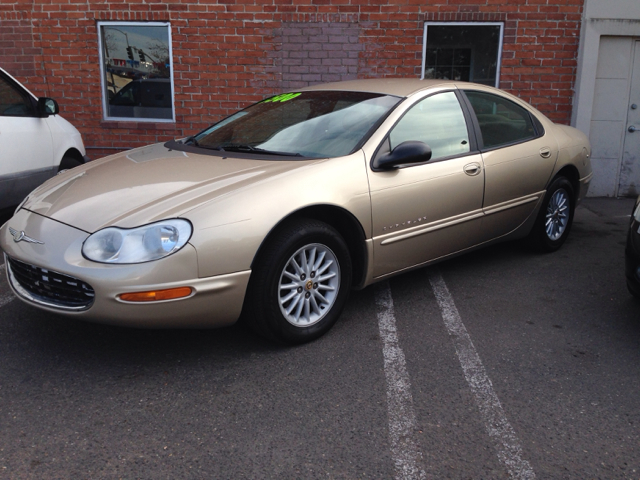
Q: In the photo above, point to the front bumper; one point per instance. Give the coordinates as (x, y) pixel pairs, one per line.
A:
(215, 301)
(584, 187)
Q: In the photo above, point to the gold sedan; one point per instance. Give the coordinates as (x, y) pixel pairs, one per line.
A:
(279, 210)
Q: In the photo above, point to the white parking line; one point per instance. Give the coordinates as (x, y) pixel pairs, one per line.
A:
(7, 297)
(495, 420)
(402, 418)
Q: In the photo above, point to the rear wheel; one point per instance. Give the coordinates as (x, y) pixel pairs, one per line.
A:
(555, 217)
(300, 283)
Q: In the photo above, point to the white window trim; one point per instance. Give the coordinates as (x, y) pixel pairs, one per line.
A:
(103, 75)
(461, 24)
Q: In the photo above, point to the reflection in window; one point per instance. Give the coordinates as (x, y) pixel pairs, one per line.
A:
(464, 52)
(312, 124)
(501, 121)
(437, 121)
(13, 103)
(136, 70)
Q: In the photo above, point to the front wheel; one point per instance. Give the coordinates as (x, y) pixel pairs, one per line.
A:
(67, 163)
(300, 283)
(555, 217)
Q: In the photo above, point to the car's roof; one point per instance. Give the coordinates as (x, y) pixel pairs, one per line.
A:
(401, 87)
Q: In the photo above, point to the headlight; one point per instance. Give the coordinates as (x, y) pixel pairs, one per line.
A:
(636, 212)
(137, 245)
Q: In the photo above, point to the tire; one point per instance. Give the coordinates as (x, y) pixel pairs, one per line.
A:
(68, 162)
(554, 218)
(300, 283)
(634, 289)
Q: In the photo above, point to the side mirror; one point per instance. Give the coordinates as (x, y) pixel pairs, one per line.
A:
(47, 106)
(411, 151)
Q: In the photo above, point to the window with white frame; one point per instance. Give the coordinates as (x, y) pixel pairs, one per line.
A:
(136, 71)
(467, 52)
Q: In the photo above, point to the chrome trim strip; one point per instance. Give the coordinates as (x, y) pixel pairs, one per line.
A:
(15, 285)
(587, 178)
(430, 227)
(498, 207)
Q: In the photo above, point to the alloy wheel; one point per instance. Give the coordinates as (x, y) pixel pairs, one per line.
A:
(309, 285)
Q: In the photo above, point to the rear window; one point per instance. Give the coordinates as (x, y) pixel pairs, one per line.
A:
(501, 121)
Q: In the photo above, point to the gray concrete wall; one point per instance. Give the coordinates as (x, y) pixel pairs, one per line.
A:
(603, 85)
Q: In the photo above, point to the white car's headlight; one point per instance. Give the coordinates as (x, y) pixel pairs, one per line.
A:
(137, 245)
(636, 213)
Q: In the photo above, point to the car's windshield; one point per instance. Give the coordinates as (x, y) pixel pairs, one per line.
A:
(310, 124)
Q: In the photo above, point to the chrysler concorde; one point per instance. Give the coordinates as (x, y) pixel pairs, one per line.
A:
(273, 214)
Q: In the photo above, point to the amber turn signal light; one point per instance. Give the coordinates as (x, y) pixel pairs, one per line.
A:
(156, 295)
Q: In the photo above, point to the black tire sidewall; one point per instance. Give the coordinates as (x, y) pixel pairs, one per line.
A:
(540, 238)
(270, 269)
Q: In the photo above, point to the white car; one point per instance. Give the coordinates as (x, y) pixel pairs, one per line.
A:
(35, 142)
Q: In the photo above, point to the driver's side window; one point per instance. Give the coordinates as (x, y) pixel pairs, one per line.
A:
(437, 121)
(12, 102)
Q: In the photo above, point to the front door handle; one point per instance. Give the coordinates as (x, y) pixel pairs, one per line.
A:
(632, 128)
(472, 169)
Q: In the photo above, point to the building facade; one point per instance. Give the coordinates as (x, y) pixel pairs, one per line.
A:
(607, 102)
(141, 71)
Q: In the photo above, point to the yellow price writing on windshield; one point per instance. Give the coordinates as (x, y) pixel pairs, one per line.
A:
(282, 98)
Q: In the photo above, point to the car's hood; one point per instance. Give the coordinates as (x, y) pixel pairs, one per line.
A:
(145, 185)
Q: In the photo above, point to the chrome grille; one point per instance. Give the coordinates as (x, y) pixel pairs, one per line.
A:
(49, 288)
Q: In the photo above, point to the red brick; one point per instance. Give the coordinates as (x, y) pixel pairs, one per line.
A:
(230, 53)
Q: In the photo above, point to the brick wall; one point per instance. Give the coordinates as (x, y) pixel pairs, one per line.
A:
(17, 45)
(229, 53)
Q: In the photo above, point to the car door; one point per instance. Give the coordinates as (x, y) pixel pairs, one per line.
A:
(423, 211)
(518, 159)
(26, 147)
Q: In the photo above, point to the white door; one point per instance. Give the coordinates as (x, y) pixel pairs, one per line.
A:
(629, 183)
(26, 145)
(25, 139)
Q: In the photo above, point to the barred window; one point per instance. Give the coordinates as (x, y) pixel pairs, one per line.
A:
(468, 52)
(137, 71)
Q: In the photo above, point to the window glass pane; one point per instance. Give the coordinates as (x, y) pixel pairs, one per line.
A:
(437, 121)
(312, 124)
(137, 71)
(12, 102)
(463, 52)
(501, 121)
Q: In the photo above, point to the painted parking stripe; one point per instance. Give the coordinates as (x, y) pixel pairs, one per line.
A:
(7, 297)
(402, 418)
(493, 416)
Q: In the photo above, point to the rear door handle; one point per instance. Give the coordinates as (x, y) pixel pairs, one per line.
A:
(472, 169)
(545, 152)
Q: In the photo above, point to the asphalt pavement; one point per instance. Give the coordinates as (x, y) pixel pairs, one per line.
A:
(501, 363)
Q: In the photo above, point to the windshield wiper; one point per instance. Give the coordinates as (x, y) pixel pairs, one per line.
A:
(195, 143)
(191, 139)
(251, 149)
